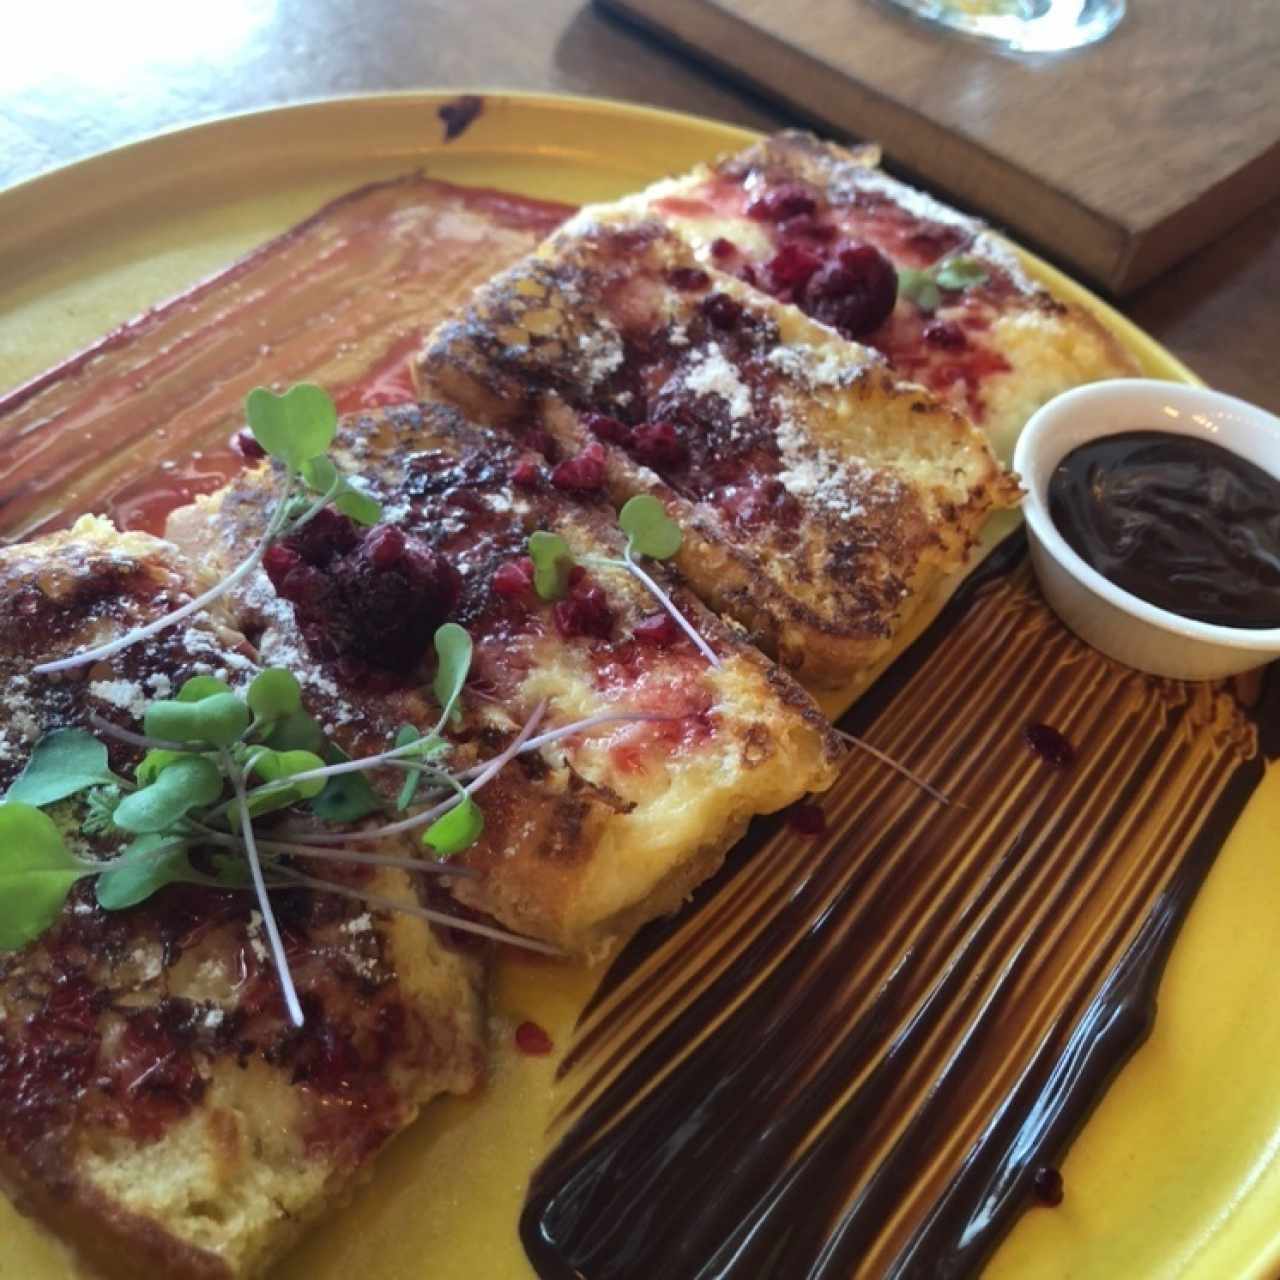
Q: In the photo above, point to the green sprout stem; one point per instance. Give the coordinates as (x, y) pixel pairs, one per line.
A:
(423, 913)
(939, 796)
(628, 563)
(233, 579)
(268, 915)
(487, 773)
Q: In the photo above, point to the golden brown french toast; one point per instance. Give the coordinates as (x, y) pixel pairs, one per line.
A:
(820, 498)
(944, 299)
(161, 1112)
(586, 837)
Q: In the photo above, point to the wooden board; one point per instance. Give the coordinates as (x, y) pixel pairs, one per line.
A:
(1117, 159)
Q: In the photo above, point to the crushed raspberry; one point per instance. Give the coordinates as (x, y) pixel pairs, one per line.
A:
(723, 311)
(792, 265)
(763, 502)
(658, 630)
(854, 292)
(246, 445)
(515, 578)
(607, 428)
(807, 819)
(369, 604)
(583, 473)
(584, 612)
(945, 335)
(526, 474)
(688, 279)
(722, 250)
(781, 203)
(657, 445)
(533, 1040)
(327, 534)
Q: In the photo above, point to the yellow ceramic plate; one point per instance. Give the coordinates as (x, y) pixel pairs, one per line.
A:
(1178, 1172)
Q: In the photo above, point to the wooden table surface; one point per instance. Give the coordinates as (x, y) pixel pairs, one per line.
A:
(77, 77)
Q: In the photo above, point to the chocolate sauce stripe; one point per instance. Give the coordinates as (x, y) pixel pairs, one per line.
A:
(844, 813)
(1103, 955)
(992, 962)
(1130, 903)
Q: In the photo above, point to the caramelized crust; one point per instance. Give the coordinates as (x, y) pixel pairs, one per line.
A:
(995, 351)
(820, 498)
(586, 838)
(159, 1108)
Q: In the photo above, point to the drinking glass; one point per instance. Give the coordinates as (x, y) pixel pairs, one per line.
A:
(1025, 26)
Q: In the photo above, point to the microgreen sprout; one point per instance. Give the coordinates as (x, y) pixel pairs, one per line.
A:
(650, 532)
(930, 790)
(296, 429)
(924, 287)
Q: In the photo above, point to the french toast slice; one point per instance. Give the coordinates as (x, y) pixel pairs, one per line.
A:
(161, 1112)
(780, 215)
(820, 498)
(584, 838)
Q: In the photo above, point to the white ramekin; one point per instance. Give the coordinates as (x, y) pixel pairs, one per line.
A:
(1112, 620)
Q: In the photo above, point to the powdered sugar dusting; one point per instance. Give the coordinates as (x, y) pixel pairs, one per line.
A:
(711, 374)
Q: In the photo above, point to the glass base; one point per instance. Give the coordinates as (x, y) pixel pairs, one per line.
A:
(1025, 26)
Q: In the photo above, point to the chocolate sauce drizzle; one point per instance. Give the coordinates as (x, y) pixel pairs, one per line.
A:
(853, 1055)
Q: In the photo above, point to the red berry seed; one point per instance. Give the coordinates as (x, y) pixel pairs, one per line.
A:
(533, 1040)
(722, 250)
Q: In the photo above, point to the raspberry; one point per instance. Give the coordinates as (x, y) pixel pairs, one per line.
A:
(792, 265)
(854, 293)
(585, 612)
(657, 445)
(384, 546)
(688, 279)
(722, 250)
(607, 428)
(526, 474)
(583, 473)
(945, 335)
(515, 578)
(723, 311)
(784, 202)
(279, 561)
(658, 630)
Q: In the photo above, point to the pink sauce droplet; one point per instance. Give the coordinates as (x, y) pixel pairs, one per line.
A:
(807, 819)
(1050, 745)
(533, 1040)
